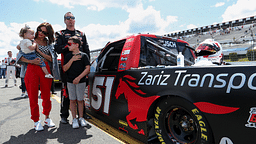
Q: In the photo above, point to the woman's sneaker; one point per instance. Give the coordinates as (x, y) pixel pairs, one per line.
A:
(82, 122)
(75, 123)
(49, 123)
(38, 126)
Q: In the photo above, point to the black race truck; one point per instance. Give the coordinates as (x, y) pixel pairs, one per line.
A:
(136, 86)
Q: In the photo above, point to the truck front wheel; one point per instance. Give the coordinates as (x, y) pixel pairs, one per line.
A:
(177, 120)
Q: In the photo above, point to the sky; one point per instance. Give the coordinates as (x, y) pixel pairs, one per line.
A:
(109, 20)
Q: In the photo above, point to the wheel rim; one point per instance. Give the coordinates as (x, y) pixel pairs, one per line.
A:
(181, 126)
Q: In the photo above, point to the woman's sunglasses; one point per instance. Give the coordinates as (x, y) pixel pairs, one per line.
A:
(69, 17)
(45, 33)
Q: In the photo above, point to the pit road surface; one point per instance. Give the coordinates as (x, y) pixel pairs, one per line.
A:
(16, 127)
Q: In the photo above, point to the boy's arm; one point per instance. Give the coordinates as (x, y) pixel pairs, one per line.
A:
(67, 65)
(83, 74)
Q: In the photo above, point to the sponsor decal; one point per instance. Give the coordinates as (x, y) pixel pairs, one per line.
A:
(214, 109)
(225, 140)
(156, 122)
(122, 65)
(123, 58)
(201, 124)
(236, 80)
(123, 129)
(134, 97)
(169, 44)
(123, 123)
(148, 79)
(130, 40)
(252, 118)
(125, 52)
(127, 46)
(195, 80)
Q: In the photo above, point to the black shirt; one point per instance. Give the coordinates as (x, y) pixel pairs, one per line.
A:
(77, 67)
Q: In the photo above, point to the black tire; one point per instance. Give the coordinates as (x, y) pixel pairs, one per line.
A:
(178, 121)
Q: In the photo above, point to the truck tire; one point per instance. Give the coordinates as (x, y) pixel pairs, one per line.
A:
(177, 121)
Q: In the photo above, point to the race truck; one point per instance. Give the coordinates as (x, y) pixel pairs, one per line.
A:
(136, 87)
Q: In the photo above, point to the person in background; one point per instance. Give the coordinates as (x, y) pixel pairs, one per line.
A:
(77, 66)
(23, 86)
(10, 71)
(3, 69)
(61, 47)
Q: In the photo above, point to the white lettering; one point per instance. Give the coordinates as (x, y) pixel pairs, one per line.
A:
(203, 79)
(184, 78)
(148, 79)
(98, 81)
(145, 73)
(220, 80)
(178, 77)
(250, 82)
(190, 83)
(166, 77)
(230, 84)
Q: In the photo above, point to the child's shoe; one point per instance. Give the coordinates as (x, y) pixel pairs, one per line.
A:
(82, 122)
(48, 76)
(75, 123)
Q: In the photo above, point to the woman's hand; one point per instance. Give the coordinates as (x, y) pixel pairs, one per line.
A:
(36, 61)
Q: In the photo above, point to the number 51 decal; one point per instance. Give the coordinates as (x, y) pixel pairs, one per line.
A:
(102, 83)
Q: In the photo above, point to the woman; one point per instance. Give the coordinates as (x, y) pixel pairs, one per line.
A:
(35, 76)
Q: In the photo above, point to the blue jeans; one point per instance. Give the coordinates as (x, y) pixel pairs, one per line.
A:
(23, 87)
(31, 56)
(2, 72)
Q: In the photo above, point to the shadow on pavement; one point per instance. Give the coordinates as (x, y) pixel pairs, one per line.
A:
(64, 133)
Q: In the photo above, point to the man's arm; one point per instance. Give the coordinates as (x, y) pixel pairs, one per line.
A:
(60, 45)
(85, 46)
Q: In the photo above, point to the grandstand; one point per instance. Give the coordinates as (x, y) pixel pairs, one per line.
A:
(234, 36)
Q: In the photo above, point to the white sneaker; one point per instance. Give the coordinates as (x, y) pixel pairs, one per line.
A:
(38, 126)
(23, 95)
(82, 122)
(49, 123)
(75, 123)
(48, 76)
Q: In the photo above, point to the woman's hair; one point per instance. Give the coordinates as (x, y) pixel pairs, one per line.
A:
(50, 31)
(24, 30)
(76, 40)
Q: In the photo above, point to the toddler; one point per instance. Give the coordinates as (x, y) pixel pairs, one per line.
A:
(28, 48)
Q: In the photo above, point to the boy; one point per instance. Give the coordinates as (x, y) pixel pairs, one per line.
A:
(77, 66)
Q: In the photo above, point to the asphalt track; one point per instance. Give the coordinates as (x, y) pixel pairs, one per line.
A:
(16, 127)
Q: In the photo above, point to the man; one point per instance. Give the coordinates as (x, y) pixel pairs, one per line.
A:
(61, 47)
(10, 69)
(3, 69)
